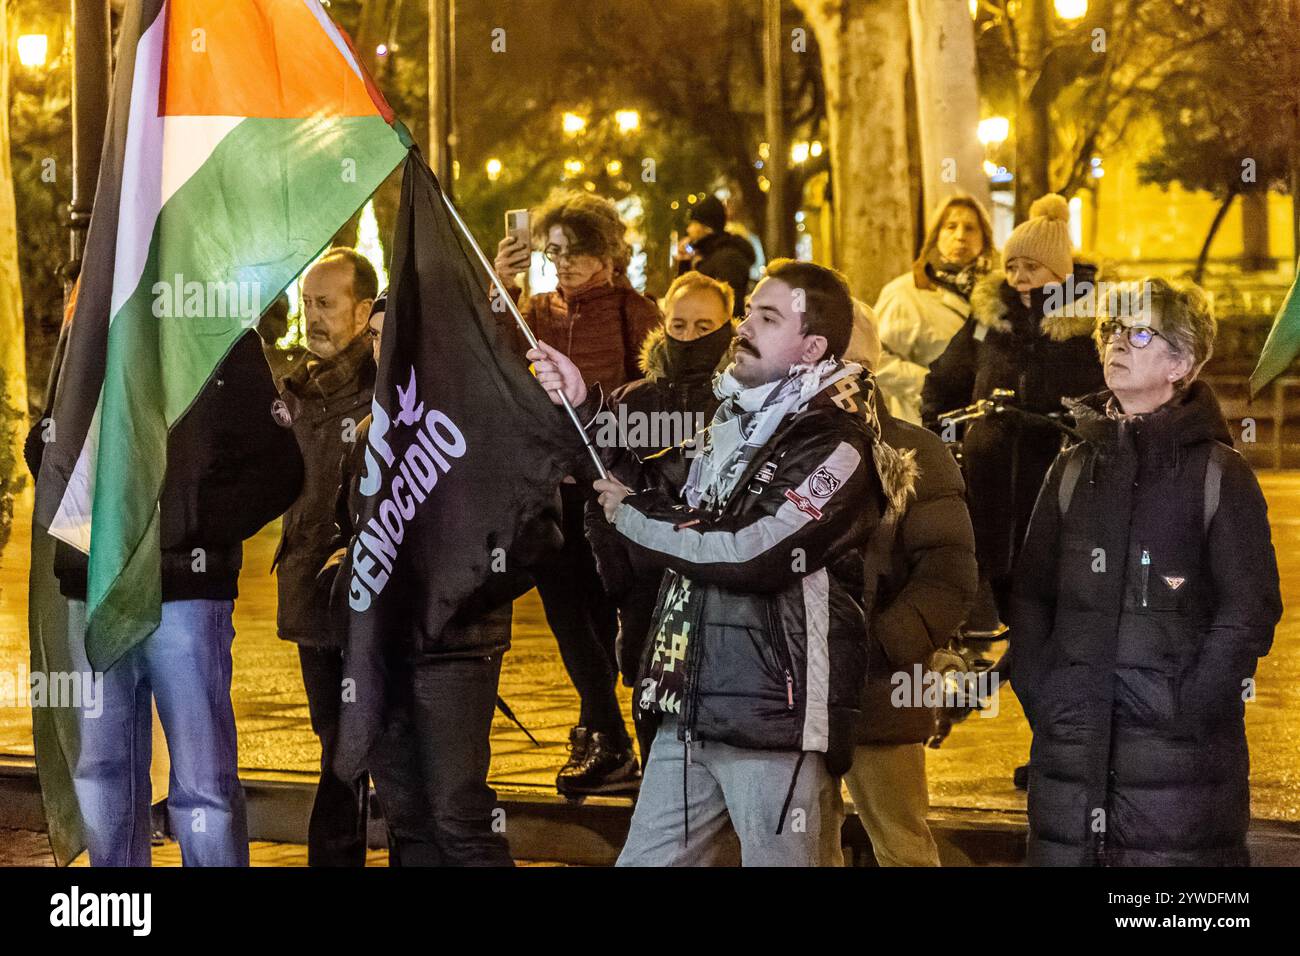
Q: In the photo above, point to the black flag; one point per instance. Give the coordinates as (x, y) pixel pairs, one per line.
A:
(464, 445)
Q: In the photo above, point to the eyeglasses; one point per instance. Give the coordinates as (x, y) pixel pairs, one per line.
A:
(1139, 336)
(554, 254)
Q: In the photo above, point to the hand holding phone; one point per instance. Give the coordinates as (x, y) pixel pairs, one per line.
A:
(514, 252)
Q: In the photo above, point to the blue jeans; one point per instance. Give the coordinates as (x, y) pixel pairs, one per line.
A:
(184, 664)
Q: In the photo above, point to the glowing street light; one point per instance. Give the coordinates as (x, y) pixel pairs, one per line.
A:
(493, 167)
(33, 48)
(815, 149)
(614, 167)
(799, 152)
(574, 124)
(1071, 9)
(573, 167)
(628, 121)
(994, 130)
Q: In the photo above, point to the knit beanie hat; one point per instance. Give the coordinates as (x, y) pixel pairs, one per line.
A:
(711, 212)
(1044, 236)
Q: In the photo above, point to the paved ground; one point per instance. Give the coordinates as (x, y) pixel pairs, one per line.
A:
(25, 848)
(972, 769)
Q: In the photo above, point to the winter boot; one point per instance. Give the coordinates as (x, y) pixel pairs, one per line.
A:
(606, 767)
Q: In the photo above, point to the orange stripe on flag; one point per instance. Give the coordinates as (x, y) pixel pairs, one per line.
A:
(256, 58)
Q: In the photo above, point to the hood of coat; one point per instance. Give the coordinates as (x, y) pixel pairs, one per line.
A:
(1193, 416)
(996, 304)
(660, 358)
(716, 241)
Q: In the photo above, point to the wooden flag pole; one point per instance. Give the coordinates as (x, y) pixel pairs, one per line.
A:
(523, 327)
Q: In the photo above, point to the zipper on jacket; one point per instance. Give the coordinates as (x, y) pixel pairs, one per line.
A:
(1146, 574)
(778, 643)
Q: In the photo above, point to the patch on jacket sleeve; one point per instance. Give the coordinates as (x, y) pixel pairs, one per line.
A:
(1173, 581)
(822, 483)
(803, 504)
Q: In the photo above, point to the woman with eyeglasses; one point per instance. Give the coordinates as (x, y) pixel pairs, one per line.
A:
(599, 321)
(1145, 593)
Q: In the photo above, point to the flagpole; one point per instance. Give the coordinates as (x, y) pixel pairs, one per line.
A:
(523, 327)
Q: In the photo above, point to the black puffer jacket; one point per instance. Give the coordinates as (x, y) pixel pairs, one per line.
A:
(231, 468)
(676, 397)
(776, 658)
(1043, 358)
(728, 258)
(1134, 628)
(927, 586)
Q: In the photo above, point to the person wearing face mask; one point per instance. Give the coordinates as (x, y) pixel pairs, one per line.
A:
(599, 321)
(1134, 679)
(919, 312)
(680, 360)
(1029, 331)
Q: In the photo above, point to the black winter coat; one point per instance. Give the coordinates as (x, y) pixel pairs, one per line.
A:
(1133, 631)
(1005, 344)
(926, 588)
(679, 383)
(231, 469)
(776, 658)
(327, 401)
(728, 258)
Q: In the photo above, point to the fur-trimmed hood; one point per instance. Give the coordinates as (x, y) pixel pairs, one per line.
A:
(653, 360)
(992, 300)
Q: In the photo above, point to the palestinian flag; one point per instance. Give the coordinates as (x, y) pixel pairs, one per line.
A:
(1283, 343)
(241, 137)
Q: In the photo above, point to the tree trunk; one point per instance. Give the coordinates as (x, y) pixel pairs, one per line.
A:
(1033, 123)
(12, 352)
(947, 100)
(1219, 216)
(864, 47)
(1256, 256)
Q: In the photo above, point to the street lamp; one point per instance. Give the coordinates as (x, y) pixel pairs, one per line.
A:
(573, 167)
(628, 121)
(799, 152)
(574, 124)
(33, 48)
(1071, 9)
(614, 167)
(994, 130)
(493, 167)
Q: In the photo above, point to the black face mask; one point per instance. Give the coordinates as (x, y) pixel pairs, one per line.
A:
(699, 357)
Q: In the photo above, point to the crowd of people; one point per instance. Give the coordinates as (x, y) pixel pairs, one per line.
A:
(760, 588)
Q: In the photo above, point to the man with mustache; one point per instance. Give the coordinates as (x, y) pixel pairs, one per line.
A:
(326, 397)
(757, 655)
